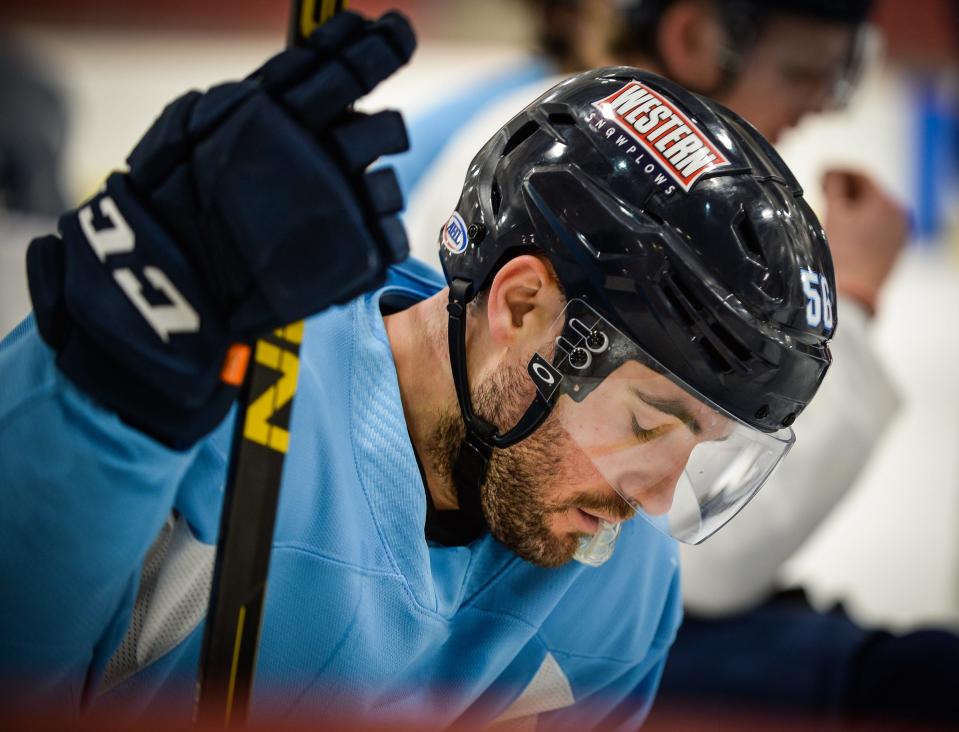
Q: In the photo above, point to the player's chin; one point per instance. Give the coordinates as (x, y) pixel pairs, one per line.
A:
(560, 553)
(550, 544)
(558, 546)
(553, 550)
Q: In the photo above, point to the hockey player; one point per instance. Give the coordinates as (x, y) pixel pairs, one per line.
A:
(601, 351)
(772, 62)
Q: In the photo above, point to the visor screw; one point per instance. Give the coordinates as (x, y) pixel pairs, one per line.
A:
(762, 412)
(790, 418)
(579, 358)
(597, 341)
(475, 233)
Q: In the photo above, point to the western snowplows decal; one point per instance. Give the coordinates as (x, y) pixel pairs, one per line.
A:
(674, 142)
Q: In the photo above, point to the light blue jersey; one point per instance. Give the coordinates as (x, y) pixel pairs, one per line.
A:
(107, 546)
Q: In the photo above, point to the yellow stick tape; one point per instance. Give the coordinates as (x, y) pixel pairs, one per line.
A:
(236, 659)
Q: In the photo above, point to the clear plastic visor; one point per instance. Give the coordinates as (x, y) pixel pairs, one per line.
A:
(677, 459)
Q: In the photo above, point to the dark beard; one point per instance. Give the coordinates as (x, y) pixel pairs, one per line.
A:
(512, 496)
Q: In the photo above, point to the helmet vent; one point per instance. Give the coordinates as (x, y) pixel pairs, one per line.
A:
(495, 198)
(721, 348)
(692, 303)
(561, 118)
(735, 347)
(748, 237)
(519, 137)
(679, 304)
(683, 305)
(714, 356)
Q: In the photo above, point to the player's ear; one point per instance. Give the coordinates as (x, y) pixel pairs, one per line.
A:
(523, 301)
(689, 39)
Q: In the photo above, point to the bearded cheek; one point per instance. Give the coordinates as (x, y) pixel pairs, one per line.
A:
(560, 523)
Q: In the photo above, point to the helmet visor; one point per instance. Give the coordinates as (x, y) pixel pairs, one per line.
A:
(680, 461)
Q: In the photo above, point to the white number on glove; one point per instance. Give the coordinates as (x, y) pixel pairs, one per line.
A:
(819, 303)
(118, 238)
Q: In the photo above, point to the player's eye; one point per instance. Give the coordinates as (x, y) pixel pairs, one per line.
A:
(643, 434)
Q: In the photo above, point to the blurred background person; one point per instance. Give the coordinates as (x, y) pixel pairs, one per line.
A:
(33, 124)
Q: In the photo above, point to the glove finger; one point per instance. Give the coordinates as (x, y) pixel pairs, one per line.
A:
(384, 192)
(293, 64)
(323, 95)
(164, 145)
(285, 69)
(398, 32)
(339, 30)
(372, 59)
(393, 240)
(363, 138)
(212, 108)
(375, 51)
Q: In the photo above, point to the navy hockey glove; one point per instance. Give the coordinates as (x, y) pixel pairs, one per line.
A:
(244, 208)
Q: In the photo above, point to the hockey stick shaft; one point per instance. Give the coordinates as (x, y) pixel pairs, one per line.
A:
(261, 438)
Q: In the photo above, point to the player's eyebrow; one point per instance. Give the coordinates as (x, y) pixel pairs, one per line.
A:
(672, 407)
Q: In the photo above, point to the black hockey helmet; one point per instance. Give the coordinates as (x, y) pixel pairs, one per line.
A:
(670, 220)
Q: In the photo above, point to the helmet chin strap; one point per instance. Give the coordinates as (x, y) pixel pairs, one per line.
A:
(472, 460)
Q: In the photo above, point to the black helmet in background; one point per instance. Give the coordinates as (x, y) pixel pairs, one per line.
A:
(675, 225)
(743, 22)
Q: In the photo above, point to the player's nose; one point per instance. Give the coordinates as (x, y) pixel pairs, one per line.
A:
(655, 497)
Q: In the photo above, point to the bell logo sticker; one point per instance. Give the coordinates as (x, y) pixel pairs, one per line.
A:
(454, 234)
